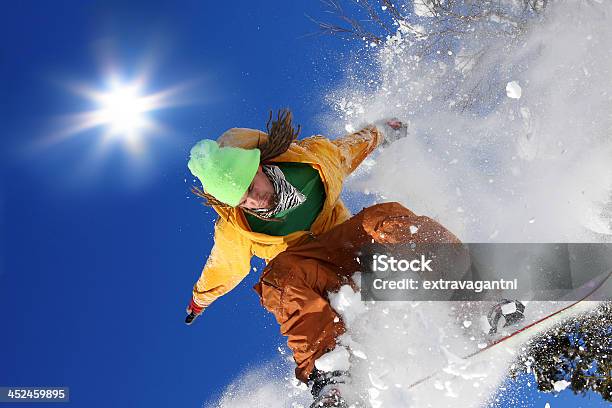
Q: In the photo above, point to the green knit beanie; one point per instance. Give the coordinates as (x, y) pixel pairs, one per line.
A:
(225, 172)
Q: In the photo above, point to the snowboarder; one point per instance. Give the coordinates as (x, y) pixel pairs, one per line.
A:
(276, 195)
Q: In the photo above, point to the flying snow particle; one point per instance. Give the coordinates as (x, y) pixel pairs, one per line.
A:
(560, 385)
(423, 8)
(513, 90)
(337, 359)
(508, 308)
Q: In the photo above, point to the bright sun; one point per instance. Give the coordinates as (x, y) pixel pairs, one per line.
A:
(122, 112)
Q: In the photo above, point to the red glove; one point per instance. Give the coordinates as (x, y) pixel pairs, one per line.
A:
(193, 311)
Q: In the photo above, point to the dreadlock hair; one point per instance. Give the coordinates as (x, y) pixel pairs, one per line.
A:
(280, 136)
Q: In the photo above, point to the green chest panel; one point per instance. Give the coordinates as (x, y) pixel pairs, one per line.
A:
(306, 179)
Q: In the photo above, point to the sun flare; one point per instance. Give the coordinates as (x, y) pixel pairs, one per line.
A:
(122, 111)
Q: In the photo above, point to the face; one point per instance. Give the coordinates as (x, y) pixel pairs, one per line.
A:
(260, 193)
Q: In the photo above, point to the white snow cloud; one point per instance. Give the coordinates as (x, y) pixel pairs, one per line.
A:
(533, 169)
(269, 386)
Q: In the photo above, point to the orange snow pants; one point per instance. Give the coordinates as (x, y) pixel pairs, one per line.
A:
(294, 285)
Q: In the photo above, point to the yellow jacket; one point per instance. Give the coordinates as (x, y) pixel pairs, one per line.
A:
(230, 258)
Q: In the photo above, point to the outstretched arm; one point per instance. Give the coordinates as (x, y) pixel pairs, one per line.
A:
(229, 262)
(355, 147)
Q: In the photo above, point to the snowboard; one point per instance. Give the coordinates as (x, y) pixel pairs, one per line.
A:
(598, 288)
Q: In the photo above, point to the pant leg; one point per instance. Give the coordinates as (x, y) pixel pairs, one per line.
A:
(294, 285)
(387, 223)
(295, 290)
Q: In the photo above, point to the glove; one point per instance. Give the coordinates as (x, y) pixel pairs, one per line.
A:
(193, 311)
(392, 129)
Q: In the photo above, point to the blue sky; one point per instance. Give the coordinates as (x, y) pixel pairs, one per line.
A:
(100, 248)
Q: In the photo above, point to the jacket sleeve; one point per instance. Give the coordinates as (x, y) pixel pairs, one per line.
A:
(355, 147)
(227, 265)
